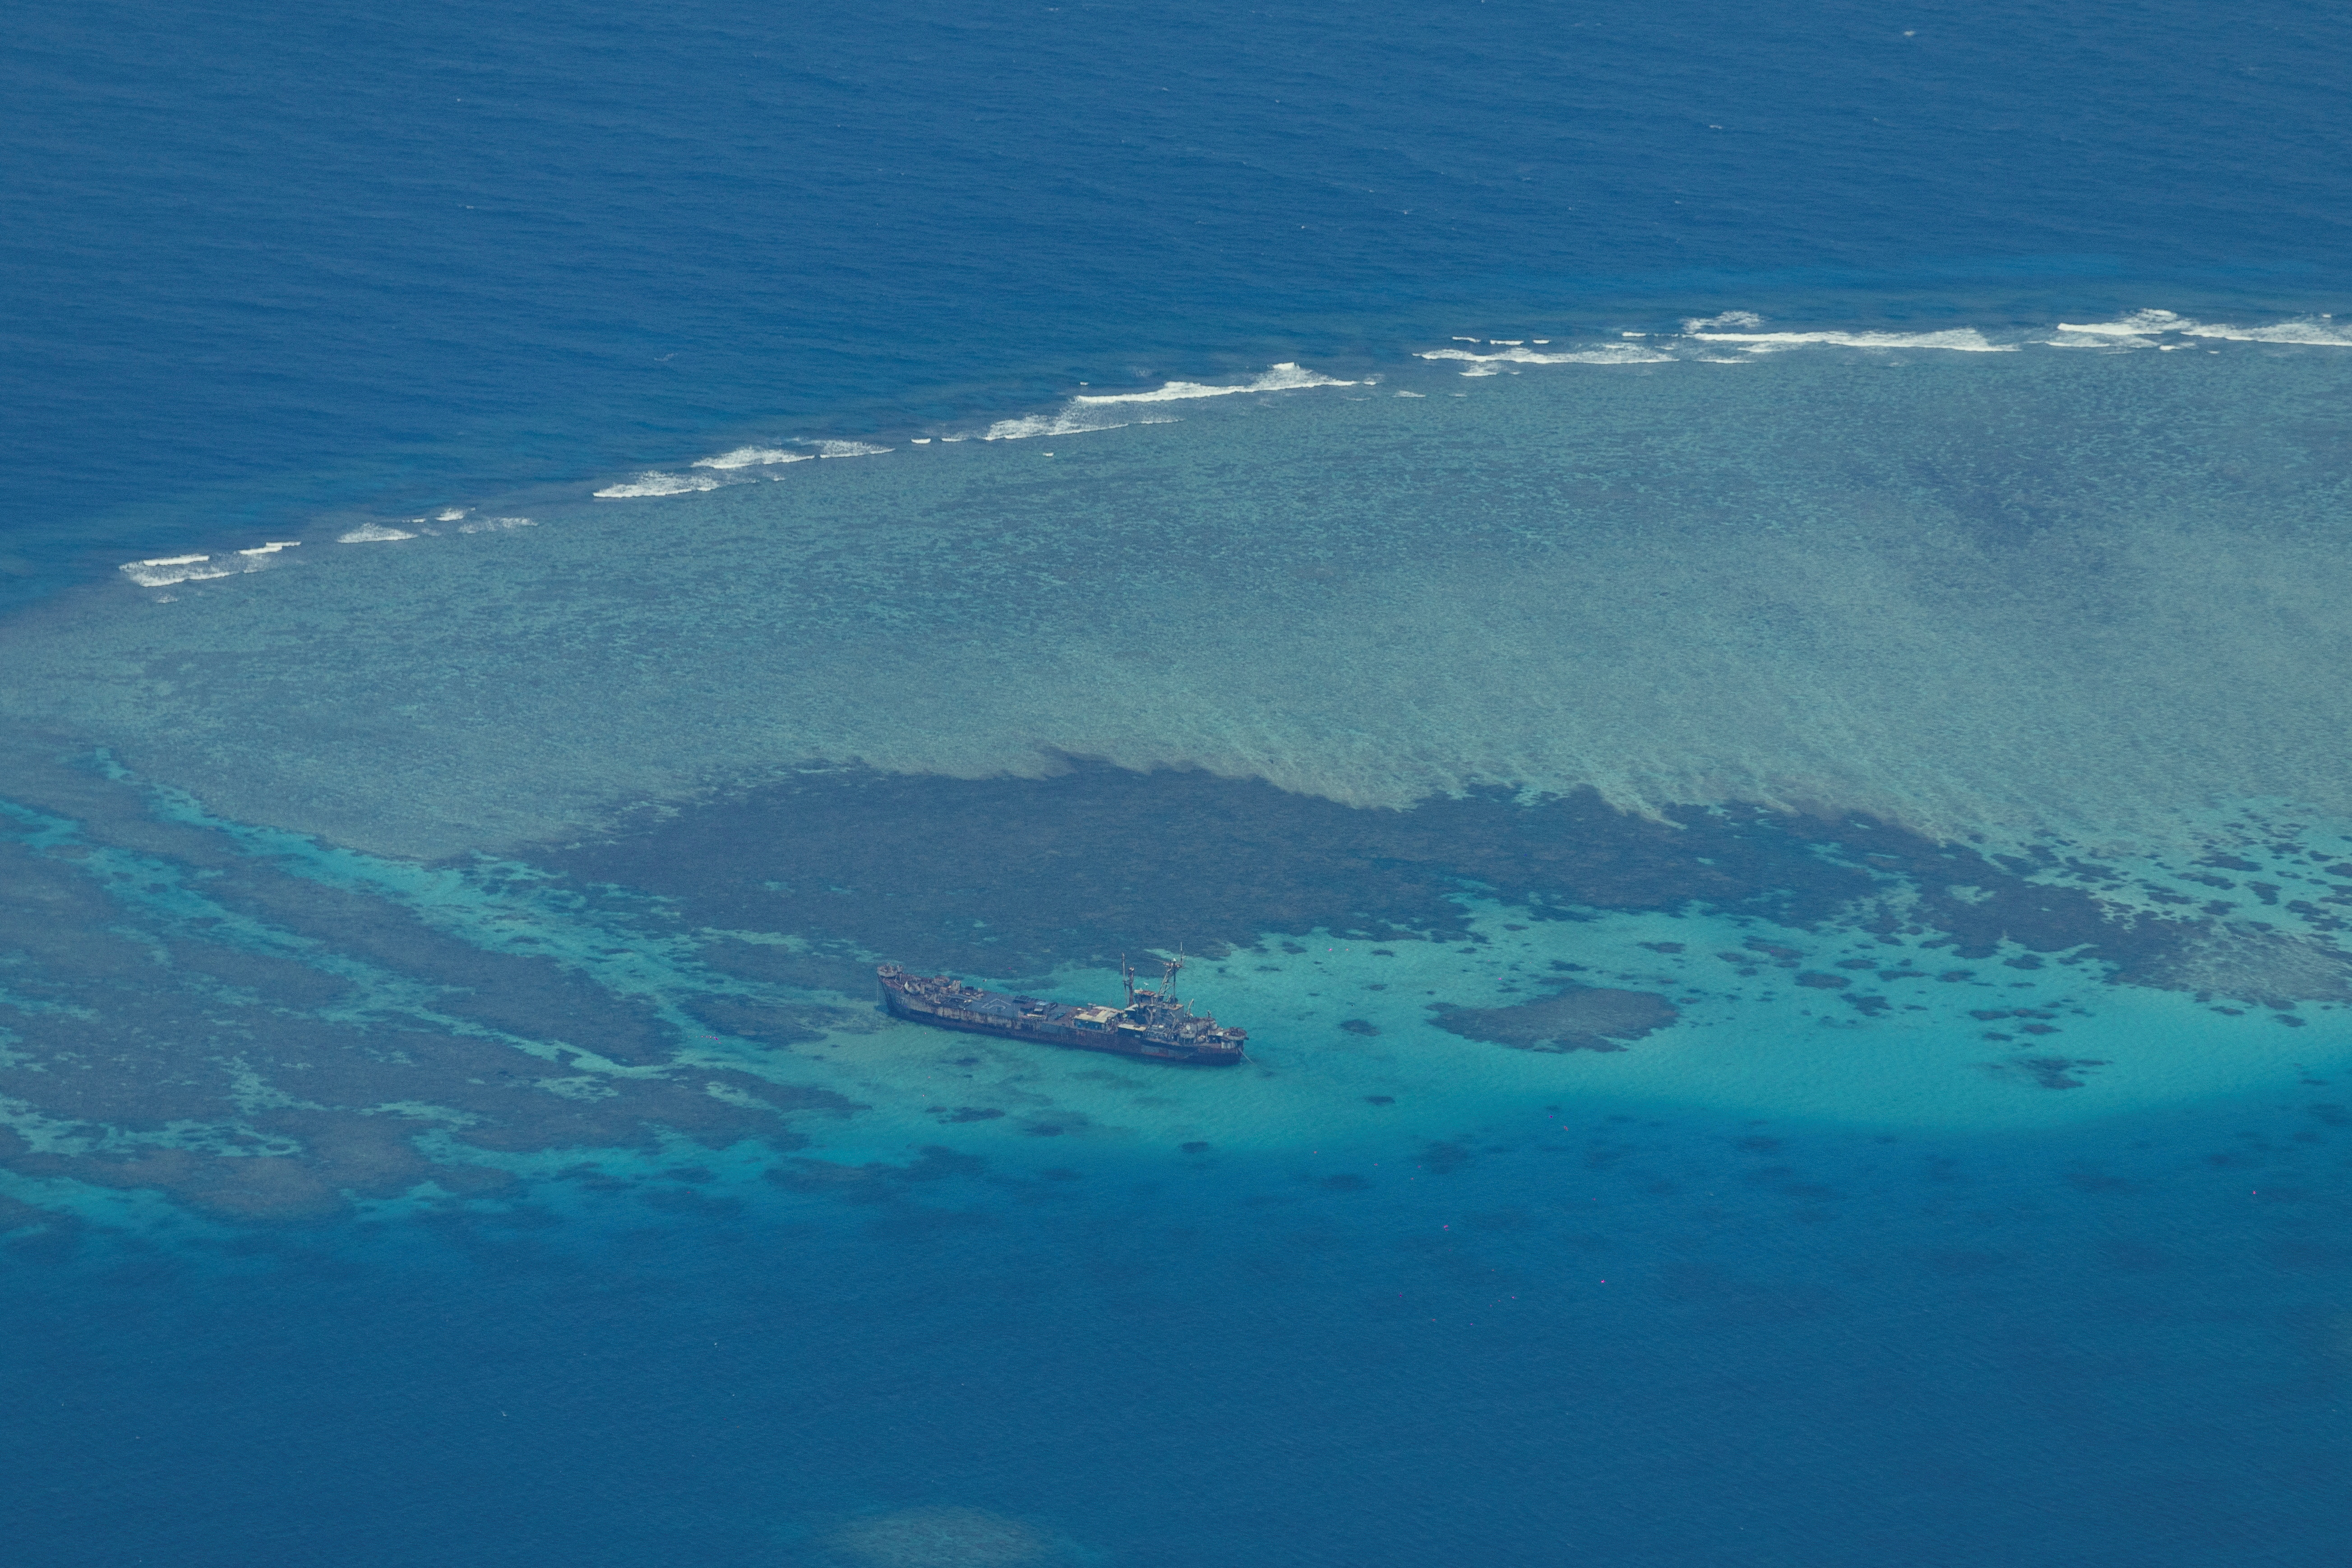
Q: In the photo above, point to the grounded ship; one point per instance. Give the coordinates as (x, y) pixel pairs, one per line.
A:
(1153, 1024)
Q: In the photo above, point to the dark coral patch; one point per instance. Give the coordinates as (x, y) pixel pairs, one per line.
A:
(15, 1214)
(149, 1016)
(764, 1022)
(1585, 1018)
(1018, 875)
(2047, 1072)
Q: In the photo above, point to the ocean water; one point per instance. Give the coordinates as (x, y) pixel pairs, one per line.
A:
(1724, 633)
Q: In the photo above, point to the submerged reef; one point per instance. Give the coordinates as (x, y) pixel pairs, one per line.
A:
(177, 1015)
(1998, 594)
(226, 1016)
(1015, 877)
(940, 1538)
(1584, 1019)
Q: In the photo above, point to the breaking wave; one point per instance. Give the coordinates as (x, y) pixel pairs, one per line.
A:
(1068, 422)
(1961, 339)
(753, 456)
(163, 571)
(1284, 377)
(1081, 415)
(1605, 354)
(2146, 329)
(166, 570)
(655, 483)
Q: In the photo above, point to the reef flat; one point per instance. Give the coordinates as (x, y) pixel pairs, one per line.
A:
(269, 1028)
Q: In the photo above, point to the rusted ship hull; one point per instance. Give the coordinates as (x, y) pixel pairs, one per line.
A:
(1129, 1031)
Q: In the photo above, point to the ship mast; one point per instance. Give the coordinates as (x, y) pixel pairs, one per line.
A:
(1166, 992)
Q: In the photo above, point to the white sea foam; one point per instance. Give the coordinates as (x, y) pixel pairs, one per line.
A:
(2142, 328)
(2111, 342)
(371, 533)
(2140, 324)
(1284, 377)
(165, 570)
(1962, 339)
(2317, 333)
(753, 457)
(452, 514)
(847, 449)
(495, 524)
(1601, 353)
(653, 482)
(1745, 321)
(1067, 422)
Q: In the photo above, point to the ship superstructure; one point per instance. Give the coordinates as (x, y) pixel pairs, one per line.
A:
(1154, 1024)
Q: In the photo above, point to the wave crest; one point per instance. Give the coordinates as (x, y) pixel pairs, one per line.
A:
(653, 482)
(1284, 377)
(1605, 354)
(2141, 329)
(1961, 339)
(753, 456)
(163, 571)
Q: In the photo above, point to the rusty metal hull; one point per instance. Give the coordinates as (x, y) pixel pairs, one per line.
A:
(1143, 1032)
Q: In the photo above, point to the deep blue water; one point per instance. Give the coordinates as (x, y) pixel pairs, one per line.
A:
(259, 260)
(1807, 1303)
(1624, 1342)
